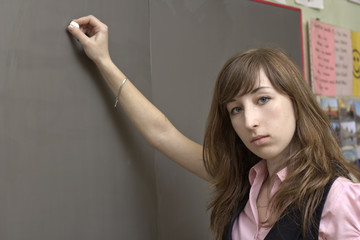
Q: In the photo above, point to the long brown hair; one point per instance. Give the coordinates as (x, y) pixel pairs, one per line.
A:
(315, 157)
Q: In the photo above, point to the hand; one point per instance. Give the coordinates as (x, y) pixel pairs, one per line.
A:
(93, 35)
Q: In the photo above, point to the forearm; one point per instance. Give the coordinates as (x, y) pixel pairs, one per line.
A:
(143, 114)
(152, 123)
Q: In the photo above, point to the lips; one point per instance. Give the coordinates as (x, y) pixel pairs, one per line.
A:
(259, 140)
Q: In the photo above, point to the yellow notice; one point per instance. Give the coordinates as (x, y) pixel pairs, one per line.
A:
(355, 39)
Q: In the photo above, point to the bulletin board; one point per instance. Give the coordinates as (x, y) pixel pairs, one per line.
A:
(335, 75)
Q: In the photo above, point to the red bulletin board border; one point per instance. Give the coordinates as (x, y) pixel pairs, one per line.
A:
(301, 31)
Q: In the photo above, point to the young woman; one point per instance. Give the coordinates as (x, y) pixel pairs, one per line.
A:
(269, 150)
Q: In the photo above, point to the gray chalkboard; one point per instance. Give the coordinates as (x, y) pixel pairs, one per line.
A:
(71, 165)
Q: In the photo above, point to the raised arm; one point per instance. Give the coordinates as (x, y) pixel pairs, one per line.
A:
(150, 122)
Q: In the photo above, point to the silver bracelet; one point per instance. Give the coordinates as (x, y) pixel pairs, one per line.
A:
(117, 96)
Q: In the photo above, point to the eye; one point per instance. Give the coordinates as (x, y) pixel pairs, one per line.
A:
(263, 100)
(235, 110)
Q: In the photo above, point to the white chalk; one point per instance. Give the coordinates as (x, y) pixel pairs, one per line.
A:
(75, 24)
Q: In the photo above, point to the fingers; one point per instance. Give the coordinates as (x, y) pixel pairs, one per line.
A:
(89, 26)
(93, 35)
(77, 33)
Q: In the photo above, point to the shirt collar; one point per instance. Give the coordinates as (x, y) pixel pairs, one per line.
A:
(260, 170)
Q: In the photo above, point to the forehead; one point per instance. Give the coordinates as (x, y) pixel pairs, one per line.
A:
(263, 80)
(260, 82)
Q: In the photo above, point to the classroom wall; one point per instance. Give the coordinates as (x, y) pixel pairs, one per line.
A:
(341, 13)
(71, 165)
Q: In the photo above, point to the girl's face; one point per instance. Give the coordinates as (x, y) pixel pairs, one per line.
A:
(264, 119)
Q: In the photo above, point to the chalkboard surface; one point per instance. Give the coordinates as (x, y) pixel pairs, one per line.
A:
(71, 165)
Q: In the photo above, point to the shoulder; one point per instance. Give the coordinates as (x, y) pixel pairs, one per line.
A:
(344, 189)
(341, 215)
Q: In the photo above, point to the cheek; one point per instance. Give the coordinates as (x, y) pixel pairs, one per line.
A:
(282, 120)
(238, 128)
(287, 124)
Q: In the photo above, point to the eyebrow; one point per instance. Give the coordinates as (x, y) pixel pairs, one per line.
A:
(258, 88)
(253, 91)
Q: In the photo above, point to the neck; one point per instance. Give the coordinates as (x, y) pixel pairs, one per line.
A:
(272, 168)
(277, 163)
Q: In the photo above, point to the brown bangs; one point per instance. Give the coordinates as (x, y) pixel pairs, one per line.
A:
(238, 77)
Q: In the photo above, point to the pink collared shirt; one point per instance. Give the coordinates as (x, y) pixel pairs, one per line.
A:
(340, 217)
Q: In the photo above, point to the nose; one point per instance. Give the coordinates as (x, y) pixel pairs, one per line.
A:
(251, 118)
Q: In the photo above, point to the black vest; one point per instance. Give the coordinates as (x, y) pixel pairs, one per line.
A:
(287, 228)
